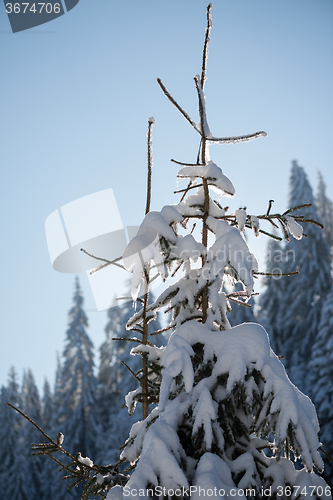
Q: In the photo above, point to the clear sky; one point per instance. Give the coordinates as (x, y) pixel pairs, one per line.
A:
(76, 94)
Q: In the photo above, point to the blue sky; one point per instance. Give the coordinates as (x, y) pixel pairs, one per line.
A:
(76, 94)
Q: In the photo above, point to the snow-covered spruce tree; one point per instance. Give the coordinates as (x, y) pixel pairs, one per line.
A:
(303, 295)
(321, 381)
(116, 379)
(76, 416)
(47, 406)
(49, 470)
(325, 211)
(9, 434)
(270, 300)
(31, 405)
(108, 400)
(223, 390)
(20, 477)
(128, 385)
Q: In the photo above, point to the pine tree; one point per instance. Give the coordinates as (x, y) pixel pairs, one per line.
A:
(107, 375)
(47, 407)
(9, 433)
(50, 473)
(127, 358)
(223, 390)
(270, 300)
(321, 380)
(325, 211)
(49, 487)
(109, 398)
(116, 381)
(77, 418)
(4, 451)
(20, 481)
(31, 406)
(303, 294)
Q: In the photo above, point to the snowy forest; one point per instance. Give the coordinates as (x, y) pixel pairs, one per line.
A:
(86, 405)
(205, 398)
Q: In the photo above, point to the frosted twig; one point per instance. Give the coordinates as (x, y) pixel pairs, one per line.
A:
(186, 164)
(81, 471)
(204, 127)
(273, 236)
(316, 223)
(297, 207)
(269, 206)
(180, 109)
(107, 262)
(188, 188)
(56, 445)
(102, 266)
(151, 122)
(325, 453)
(240, 302)
(284, 229)
(177, 269)
(271, 222)
(239, 138)
(133, 340)
(277, 274)
(132, 372)
(241, 294)
(154, 278)
(125, 298)
(206, 45)
(162, 330)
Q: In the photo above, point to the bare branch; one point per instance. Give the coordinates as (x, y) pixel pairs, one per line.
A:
(54, 443)
(206, 45)
(312, 222)
(175, 103)
(162, 330)
(325, 453)
(237, 139)
(133, 340)
(185, 192)
(240, 302)
(277, 274)
(151, 122)
(102, 266)
(274, 236)
(188, 188)
(270, 203)
(297, 207)
(186, 164)
(132, 372)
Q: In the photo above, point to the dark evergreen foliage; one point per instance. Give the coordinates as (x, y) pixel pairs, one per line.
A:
(321, 381)
(304, 294)
(325, 211)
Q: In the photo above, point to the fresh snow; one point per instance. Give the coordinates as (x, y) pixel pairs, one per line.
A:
(294, 228)
(212, 173)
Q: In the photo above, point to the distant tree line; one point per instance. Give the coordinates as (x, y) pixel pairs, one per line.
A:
(86, 408)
